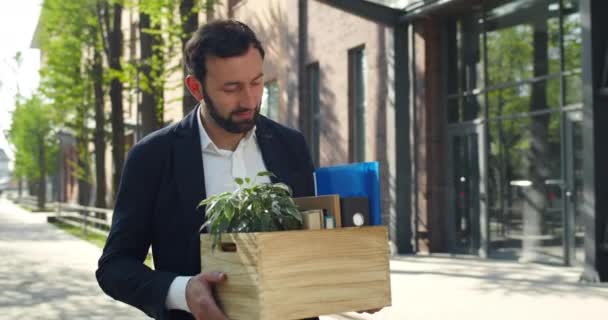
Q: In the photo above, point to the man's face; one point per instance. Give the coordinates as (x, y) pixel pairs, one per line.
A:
(233, 89)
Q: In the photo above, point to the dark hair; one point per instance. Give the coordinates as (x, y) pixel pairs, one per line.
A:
(221, 38)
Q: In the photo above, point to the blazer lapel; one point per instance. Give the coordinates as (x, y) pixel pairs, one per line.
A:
(188, 161)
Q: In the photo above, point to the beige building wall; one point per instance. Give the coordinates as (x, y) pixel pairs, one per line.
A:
(331, 34)
(268, 19)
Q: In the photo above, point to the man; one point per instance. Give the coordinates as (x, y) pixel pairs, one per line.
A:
(168, 172)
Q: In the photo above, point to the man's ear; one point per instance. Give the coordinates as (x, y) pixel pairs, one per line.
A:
(195, 88)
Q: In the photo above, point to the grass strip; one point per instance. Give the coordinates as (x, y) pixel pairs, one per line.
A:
(92, 237)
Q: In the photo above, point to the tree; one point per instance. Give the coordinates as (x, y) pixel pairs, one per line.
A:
(150, 40)
(110, 22)
(69, 40)
(189, 23)
(100, 133)
(35, 146)
(158, 38)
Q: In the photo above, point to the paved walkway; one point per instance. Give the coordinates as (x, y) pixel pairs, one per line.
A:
(48, 274)
(439, 288)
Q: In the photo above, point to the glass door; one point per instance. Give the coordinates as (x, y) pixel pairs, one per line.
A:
(466, 192)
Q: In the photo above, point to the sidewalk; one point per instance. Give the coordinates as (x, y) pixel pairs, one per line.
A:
(48, 274)
(437, 288)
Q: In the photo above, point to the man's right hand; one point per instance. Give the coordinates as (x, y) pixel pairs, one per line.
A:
(199, 296)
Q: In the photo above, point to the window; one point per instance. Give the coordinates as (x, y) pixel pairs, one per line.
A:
(314, 102)
(270, 100)
(516, 57)
(356, 102)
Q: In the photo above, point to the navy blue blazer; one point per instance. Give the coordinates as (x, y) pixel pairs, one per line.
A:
(161, 185)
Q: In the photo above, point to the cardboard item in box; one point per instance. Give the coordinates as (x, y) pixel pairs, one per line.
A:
(312, 219)
(300, 274)
(329, 203)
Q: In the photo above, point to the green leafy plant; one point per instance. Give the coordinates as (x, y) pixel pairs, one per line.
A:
(251, 208)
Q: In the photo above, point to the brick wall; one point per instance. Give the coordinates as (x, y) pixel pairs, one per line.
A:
(429, 148)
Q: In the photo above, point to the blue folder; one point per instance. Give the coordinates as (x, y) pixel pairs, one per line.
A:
(352, 180)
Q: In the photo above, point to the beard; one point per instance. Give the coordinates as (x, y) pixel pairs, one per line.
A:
(228, 123)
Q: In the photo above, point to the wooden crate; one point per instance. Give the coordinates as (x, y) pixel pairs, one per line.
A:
(299, 274)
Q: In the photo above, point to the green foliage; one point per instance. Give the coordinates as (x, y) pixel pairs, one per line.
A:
(251, 208)
(68, 37)
(31, 135)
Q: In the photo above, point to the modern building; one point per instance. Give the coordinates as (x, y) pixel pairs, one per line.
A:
(498, 109)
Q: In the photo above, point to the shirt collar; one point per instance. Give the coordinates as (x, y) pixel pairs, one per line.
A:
(206, 142)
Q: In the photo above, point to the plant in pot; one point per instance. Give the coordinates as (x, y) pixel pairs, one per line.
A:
(251, 208)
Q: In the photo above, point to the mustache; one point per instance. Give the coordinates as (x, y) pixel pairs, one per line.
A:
(243, 109)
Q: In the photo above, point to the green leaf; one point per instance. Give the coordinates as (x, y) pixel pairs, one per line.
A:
(265, 174)
(251, 208)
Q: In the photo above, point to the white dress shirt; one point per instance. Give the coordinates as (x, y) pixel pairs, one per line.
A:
(220, 168)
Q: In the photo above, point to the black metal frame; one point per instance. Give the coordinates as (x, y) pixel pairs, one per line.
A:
(595, 180)
(356, 147)
(604, 84)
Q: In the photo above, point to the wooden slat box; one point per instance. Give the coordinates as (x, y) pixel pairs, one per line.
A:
(299, 274)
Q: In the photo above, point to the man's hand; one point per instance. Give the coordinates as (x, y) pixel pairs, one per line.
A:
(199, 296)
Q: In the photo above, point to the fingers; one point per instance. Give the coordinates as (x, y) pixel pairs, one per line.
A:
(214, 277)
(200, 299)
(209, 311)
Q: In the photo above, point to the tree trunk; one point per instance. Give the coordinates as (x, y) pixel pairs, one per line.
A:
(189, 26)
(84, 186)
(99, 136)
(41, 192)
(116, 87)
(84, 168)
(149, 107)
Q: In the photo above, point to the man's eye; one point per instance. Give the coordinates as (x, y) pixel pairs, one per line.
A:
(230, 89)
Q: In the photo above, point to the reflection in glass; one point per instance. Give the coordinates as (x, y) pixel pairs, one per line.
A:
(270, 100)
(572, 36)
(573, 88)
(530, 70)
(524, 184)
(537, 96)
(522, 41)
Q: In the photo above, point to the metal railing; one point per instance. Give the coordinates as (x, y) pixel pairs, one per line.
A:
(90, 219)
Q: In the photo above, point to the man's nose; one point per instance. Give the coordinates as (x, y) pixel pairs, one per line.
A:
(248, 98)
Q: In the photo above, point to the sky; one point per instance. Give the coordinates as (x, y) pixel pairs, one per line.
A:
(17, 24)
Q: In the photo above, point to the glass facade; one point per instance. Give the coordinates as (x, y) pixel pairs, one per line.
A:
(270, 100)
(514, 70)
